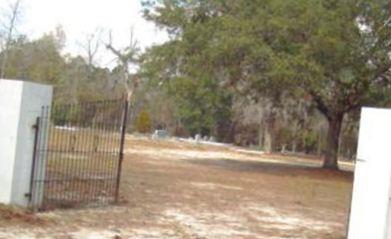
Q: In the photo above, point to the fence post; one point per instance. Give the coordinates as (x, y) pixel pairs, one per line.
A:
(122, 146)
(33, 163)
(370, 215)
(20, 105)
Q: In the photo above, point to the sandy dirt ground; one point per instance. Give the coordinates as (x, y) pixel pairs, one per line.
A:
(174, 189)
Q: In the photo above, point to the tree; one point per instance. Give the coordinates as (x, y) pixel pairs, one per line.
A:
(334, 52)
(90, 47)
(125, 58)
(203, 107)
(9, 23)
(39, 60)
(143, 122)
(343, 60)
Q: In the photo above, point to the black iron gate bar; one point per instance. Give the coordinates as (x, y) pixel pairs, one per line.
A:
(79, 154)
(122, 145)
(36, 130)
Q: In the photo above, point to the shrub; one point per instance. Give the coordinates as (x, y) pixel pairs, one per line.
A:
(143, 122)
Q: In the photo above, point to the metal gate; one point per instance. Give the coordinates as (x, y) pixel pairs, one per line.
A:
(78, 154)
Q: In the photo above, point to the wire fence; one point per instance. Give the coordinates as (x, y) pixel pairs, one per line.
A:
(78, 154)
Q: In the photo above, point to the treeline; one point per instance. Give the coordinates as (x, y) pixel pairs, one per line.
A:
(73, 78)
(282, 74)
(187, 107)
(278, 75)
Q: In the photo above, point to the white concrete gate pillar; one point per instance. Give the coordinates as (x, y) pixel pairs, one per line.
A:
(20, 105)
(370, 210)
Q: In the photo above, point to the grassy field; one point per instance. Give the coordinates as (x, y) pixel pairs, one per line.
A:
(173, 189)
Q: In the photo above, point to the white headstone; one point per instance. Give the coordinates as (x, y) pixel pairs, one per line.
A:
(198, 137)
(370, 210)
(20, 105)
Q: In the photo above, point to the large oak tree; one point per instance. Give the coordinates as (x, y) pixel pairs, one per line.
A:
(334, 52)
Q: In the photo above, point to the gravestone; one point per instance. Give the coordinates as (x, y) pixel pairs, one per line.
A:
(198, 137)
(20, 105)
(160, 134)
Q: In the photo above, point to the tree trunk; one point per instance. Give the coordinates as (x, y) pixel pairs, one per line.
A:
(332, 144)
(260, 135)
(294, 145)
(268, 141)
(295, 129)
(320, 142)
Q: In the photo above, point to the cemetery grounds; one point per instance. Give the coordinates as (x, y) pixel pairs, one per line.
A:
(178, 189)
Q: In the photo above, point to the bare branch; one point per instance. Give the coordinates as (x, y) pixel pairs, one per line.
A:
(91, 46)
(125, 57)
(109, 46)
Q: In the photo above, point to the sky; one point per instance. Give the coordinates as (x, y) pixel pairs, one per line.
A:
(82, 17)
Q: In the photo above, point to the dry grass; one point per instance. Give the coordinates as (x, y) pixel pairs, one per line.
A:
(15, 215)
(176, 189)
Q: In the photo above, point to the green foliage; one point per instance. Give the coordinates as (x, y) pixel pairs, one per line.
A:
(60, 117)
(71, 114)
(143, 122)
(38, 60)
(310, 141)
(336, 52)
(264, 45)
(202, 105)
(73, 79)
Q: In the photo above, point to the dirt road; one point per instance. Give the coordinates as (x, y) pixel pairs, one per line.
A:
(173, 189)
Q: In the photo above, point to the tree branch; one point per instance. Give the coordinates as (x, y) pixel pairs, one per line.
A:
(320, 105)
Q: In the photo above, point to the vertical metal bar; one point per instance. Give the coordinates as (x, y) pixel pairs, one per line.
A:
(36, 129)
(84, 155)
(77, 155)
(44, 163)
(94, 167)
(121, 151)
(104, 137)
(77, 161)
(57, 112)
(38, 169)
(38, 199)
(112, 157)
(45, 158)
(114, 150)
(68, 161)
(56, 148)
(107, 121)
(100, 164)
(39, 165)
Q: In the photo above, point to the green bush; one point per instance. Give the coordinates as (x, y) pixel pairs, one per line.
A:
(143, 122)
